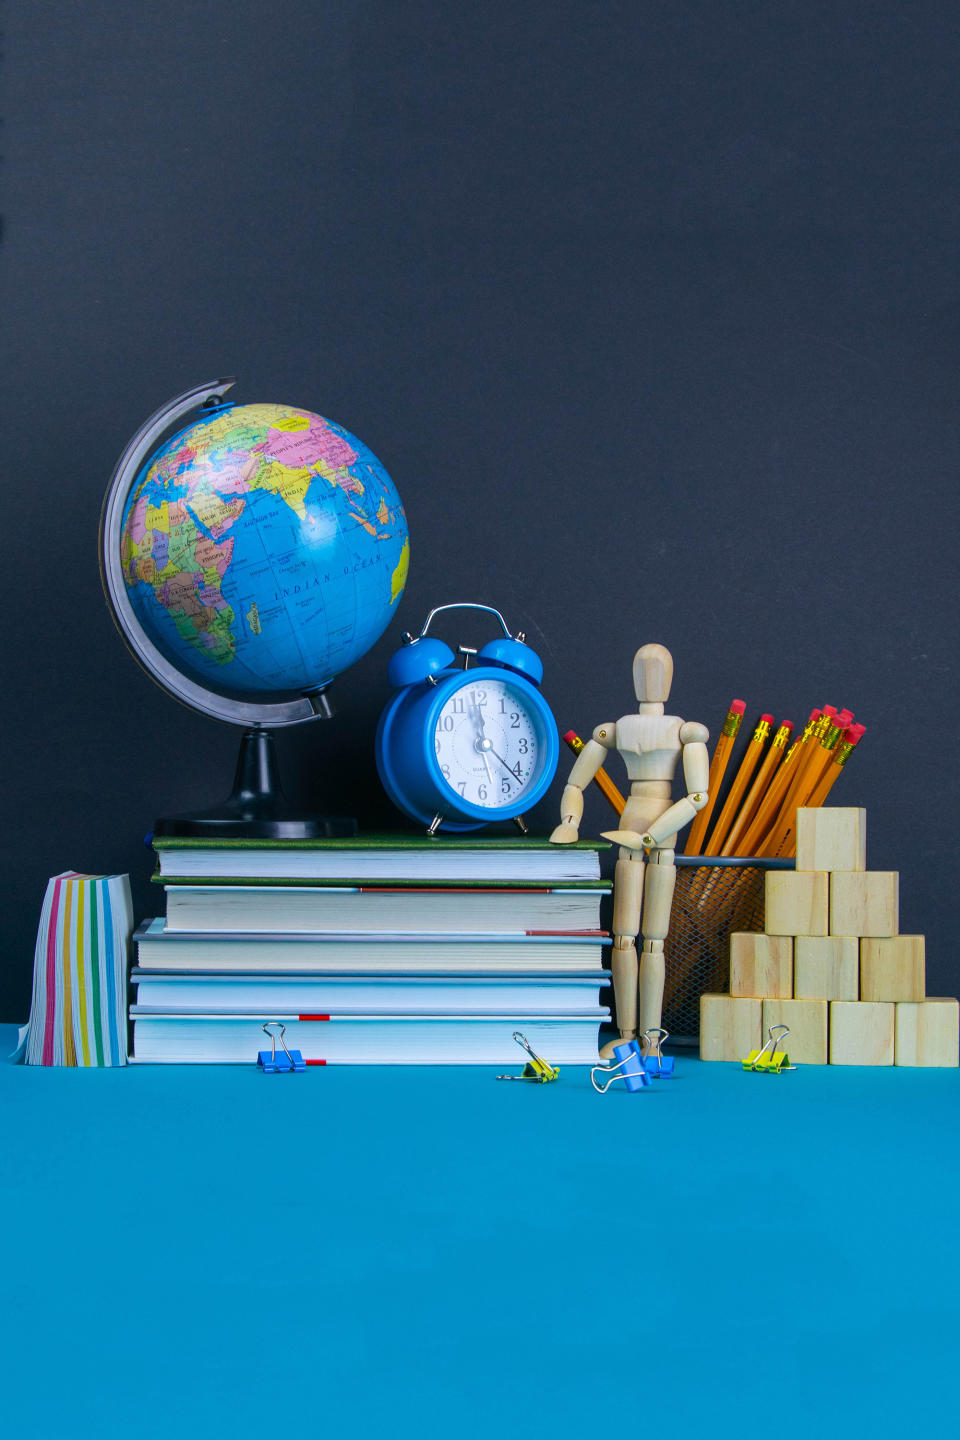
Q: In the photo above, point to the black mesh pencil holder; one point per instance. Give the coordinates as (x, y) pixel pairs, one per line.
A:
(714, 898)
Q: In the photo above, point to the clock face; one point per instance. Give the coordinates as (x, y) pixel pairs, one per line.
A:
(488, 743)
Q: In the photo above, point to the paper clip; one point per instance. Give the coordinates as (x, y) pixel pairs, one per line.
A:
(270, 1062)
(629, 1067)
(775, 1062)
(536, 1068)
(657, 1064)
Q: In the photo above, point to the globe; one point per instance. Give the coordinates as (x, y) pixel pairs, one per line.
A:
(249, 556)
(264, 549)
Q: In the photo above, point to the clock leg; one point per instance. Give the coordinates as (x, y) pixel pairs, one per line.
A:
(521, 824)
(627, 899)
(435, 824)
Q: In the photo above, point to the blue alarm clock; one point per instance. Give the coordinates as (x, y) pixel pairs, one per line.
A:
(459, 747)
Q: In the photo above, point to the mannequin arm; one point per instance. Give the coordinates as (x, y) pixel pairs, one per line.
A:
(585, 767)
(696, 772)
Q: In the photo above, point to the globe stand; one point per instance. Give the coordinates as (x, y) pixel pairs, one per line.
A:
(256, 808)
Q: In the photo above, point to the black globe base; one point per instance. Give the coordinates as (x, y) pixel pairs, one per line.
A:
(256, 808)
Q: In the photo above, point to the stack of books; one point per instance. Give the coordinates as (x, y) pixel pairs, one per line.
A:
(78, 1009)
(373, 950)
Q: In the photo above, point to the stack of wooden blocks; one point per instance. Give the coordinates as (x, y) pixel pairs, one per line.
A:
(831, 964)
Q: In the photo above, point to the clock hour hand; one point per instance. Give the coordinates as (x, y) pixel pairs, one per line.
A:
(482, 743)
(485, 745)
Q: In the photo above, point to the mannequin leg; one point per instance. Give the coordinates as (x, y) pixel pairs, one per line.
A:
(658, 899)
(627, 901)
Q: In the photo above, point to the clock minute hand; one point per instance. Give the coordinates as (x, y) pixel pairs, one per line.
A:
(512, 773)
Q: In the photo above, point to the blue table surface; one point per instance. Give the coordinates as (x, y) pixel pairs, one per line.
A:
(208, 1251)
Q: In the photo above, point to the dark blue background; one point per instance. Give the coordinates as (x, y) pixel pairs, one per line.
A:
(650, 310)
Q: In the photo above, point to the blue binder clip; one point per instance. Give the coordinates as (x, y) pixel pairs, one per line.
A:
(273, 1064)
(628, 1066)
(657, 1064)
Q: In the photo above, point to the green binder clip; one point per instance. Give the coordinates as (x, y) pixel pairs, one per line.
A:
(770, 1060)
(536, 1069)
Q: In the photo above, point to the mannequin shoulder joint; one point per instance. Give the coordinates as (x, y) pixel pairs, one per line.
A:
(606, 735)
(693, 733)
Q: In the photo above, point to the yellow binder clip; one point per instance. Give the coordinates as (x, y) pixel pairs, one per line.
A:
(536, 1068)
(770, 1060)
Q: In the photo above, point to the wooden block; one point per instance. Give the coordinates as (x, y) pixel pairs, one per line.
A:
(796, 902)
(867, 903)
(729, 1027)
(928, 1033)
(893, 968)
(832, 838)
(807, 1021)
(861, 1032)
(761, 965)
(826, 967)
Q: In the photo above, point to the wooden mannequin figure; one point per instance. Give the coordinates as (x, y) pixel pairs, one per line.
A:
(651, 744)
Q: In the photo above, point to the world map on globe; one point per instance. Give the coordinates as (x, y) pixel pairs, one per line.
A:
(264, 549)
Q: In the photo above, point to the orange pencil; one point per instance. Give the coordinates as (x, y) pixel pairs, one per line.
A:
(820, 760)
(753, 842)
(721, 758)
(748, 764)
(852, 736)
(809, 741)
(783, 839)
(604, 783)
(750, 806)
(809, 754)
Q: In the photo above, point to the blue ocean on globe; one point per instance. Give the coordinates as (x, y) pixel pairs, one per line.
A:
(264, 549)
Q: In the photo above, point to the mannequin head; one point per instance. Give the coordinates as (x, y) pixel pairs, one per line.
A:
(652, 674)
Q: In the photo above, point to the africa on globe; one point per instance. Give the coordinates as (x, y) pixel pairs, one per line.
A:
(263, 550)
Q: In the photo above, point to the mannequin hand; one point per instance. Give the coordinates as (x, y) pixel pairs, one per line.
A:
(628, 838)
(564, 835)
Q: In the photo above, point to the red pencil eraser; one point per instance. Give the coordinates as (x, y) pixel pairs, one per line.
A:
(855, 734)
(570, 735)
(843, 718)
(787, 725)
(814, 716)
(738, 705)
(829, 710)
(768, 718)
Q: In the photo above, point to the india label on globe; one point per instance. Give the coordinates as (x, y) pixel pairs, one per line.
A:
(264, 550)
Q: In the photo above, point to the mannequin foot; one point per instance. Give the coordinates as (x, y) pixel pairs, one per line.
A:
(606, 1052)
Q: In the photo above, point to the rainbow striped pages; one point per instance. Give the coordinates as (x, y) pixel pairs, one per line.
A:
(80, 968)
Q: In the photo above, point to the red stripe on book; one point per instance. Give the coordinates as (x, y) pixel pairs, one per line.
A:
(314, 1062)
(594, 934)
(313, 1017)
(453, 890)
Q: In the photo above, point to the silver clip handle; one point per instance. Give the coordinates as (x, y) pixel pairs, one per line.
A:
(772, 1043)
(609, 1070)
(656, 1039)
(268, 1030)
